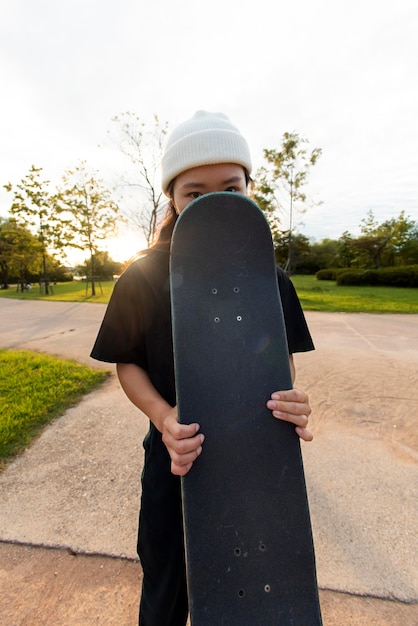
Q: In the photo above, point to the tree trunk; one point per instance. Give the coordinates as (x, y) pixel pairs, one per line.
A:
(93, 285)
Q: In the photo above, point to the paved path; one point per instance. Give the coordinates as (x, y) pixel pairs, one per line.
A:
(78, 485)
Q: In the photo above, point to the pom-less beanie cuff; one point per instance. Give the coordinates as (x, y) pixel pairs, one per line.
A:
(205, 139)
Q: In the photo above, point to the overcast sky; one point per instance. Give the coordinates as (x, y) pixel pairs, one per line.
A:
(343, 74)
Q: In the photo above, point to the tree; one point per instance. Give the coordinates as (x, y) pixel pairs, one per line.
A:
(301, 251)
(6, 251)
(32, 208)
(20, 253)
(346, 251)
(381, 244)
(104, 266)
(322, 254)
(88, 214)
(279, 185)
(143, 146)
(408, 252)
(401, 230)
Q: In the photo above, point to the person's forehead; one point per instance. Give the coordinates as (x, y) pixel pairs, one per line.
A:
(224, 173)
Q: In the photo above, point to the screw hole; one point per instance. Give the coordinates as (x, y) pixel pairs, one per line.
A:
(239, 318)
(236, 289)
(262, 547)
(241, 593)
(237, 552)
(267, 588)
(217, 320)
(214, 291)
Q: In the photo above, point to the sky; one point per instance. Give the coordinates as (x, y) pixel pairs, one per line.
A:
(342, 74)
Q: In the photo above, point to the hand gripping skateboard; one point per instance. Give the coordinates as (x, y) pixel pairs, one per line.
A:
(249, 549)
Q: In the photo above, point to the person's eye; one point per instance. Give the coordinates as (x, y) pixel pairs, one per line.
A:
(194, 194)
(232, 189)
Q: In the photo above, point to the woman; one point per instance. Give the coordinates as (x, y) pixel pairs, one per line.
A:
(203, 155)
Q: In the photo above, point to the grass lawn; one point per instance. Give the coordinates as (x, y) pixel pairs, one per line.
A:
(35, 389)
(75, 291)
(326, 295)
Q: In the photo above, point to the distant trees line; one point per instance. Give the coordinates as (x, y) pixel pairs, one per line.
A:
(391, 243)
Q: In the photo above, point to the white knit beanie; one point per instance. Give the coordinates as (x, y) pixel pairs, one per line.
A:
(205, 139)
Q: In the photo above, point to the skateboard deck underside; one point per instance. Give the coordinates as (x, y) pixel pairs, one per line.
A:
(249, 548)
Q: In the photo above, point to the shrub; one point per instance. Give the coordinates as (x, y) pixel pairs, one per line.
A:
(330, 273)
(357, 277)
(406, 276)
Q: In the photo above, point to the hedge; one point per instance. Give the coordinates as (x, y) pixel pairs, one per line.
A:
(330, 273)
(403, 276)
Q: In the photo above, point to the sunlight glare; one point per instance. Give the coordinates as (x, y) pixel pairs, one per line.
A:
(126, 245)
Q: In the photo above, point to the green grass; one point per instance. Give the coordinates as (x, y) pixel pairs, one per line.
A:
(35, 389)
(326, 295)
(64, 292)
(315, 295)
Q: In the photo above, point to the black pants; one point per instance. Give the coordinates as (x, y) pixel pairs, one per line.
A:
(160, 541)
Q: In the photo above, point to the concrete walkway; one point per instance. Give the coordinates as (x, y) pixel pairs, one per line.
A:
(78, 485)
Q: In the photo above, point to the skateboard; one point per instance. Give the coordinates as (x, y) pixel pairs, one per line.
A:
(248, 539)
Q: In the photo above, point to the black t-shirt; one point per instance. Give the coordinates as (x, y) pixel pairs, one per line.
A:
(137, 324)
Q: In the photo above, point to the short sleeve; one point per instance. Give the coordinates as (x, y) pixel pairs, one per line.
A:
(298, 336)
(120, 337)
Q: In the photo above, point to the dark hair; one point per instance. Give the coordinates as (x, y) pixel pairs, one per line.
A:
(163, 237)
